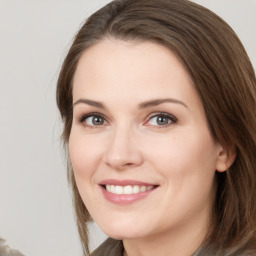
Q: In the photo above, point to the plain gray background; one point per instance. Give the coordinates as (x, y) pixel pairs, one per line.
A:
(36, 215)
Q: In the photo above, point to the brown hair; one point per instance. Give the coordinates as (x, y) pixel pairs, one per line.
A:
(225, 80)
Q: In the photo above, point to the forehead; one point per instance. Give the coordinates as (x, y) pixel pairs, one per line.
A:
(120, 67)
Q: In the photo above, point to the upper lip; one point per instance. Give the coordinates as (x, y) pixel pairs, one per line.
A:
(125, 182)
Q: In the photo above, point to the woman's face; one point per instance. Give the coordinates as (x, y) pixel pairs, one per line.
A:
(142, 153)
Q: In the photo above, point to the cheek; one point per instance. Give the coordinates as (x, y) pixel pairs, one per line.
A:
(187, 165)
(85, 154)
(189, 154)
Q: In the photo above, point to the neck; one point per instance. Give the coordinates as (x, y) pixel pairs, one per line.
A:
(182, 241)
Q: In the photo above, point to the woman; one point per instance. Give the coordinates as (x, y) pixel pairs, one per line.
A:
(158, 102)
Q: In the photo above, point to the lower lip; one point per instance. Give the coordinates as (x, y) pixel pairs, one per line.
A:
(125, 199)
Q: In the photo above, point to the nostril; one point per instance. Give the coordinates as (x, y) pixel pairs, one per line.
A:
(129, 164)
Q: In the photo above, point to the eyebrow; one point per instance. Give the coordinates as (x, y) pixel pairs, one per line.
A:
(143, 105)
(93, 103)
(156, 102)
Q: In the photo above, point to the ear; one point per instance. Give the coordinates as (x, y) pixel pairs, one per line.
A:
(225, 158)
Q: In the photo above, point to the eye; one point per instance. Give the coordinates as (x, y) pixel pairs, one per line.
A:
(161, 120)
(93, 119)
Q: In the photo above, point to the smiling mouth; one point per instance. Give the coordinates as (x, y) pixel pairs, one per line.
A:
(127, 190)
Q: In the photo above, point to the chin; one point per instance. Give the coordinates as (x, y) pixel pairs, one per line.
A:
(121, 232)
(123, 235)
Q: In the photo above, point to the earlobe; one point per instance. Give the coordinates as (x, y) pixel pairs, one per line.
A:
(225, 159)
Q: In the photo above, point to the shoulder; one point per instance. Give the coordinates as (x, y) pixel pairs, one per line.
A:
(6, 251)
(211, 251)
(110, 247)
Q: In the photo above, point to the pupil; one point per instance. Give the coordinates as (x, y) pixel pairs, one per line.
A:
(97, 120)
(162, 120)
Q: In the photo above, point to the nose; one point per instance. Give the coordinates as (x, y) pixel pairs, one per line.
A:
(123, 150)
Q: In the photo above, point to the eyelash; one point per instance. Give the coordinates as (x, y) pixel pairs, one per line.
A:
(172, 119)
(83, 118)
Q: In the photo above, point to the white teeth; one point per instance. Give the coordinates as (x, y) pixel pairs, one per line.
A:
(136, 189)
(143, 189)
(127, 190)
(149, 188)
(112, 188)
(119, 190)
